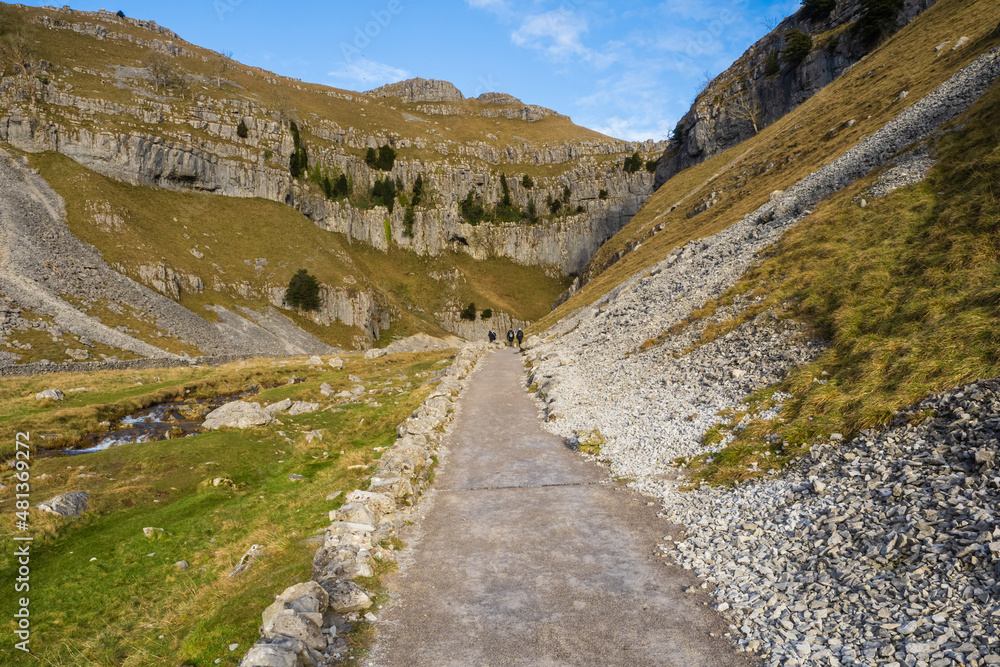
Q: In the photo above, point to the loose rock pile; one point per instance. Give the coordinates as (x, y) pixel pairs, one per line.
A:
(883, 550)
(301, 628)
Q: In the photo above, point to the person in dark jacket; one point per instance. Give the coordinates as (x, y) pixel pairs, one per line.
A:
(493, 336)
(520, 337)
(510, 337)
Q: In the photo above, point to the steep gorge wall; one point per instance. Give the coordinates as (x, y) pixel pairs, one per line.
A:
(183, 145)
(715, 123)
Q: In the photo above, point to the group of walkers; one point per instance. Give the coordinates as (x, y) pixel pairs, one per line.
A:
(510, 337)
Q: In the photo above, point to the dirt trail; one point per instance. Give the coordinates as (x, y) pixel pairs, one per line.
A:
(527, 555)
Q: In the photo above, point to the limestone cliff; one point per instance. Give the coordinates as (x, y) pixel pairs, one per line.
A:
(750, 92)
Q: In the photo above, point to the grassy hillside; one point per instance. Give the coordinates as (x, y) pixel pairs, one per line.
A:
(743, 177)
(906, 290)
(102, 593)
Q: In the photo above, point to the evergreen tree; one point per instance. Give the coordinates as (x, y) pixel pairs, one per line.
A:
(386, 158)
(241, 130)
(878, 20)
(469, 313)
(633, 164)
(341, 187)
(303, 291)
(527, 182)
(384, 193)
(418, 190)
(532, 211)
(505, 201)
(371, 159)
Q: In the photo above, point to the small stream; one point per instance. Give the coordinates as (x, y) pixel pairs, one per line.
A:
(163, 421)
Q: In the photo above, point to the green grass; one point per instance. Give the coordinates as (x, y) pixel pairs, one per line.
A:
(131, 608)
(905, 290)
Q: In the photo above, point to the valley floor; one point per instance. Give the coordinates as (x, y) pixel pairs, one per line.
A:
(528, 555)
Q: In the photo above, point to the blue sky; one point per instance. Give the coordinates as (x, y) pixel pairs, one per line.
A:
(627, 69)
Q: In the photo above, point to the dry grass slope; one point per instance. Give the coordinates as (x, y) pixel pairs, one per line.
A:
(791, 148)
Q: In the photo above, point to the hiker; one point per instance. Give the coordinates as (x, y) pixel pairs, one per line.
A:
(520, 337)
(493, 336)
(510, 337)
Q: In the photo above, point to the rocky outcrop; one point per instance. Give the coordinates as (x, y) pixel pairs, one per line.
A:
(716, 120)
(67, 505)
(420, 90)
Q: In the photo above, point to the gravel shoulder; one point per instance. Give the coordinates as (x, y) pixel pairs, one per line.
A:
(528, 555)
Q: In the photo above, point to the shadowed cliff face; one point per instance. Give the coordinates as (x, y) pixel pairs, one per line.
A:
(749, 92)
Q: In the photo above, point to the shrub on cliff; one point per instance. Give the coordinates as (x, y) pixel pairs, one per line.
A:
(382, 160)
(771, 65)
(878, 20)
(632, 164)
(241, 130)
(818, 10)
(303, 291)
(469, 313)
(797, 46)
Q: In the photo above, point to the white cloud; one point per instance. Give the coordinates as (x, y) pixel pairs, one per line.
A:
(635, 128)
(487, 4)
(370, 73)
(556, 33)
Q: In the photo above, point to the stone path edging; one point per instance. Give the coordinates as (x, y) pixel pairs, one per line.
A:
(299, 628)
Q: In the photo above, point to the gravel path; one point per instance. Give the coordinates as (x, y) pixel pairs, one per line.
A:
(527, 555)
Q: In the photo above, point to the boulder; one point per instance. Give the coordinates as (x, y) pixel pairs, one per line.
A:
(302, 407)
(336, 362)
(306, 596)
(238, 414)
(266, 655)
(53, 394)
(68, 504)
(289, 623)
(326, 390)
(355, 513)
(380, 504)
(314, 361)
(280, 406)
(346, 596)
(151, 532)
(394, 487)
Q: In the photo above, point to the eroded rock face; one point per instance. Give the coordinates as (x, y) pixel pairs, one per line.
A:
(714, 123)
(420, 90)
(238, 414)
(68, 504)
